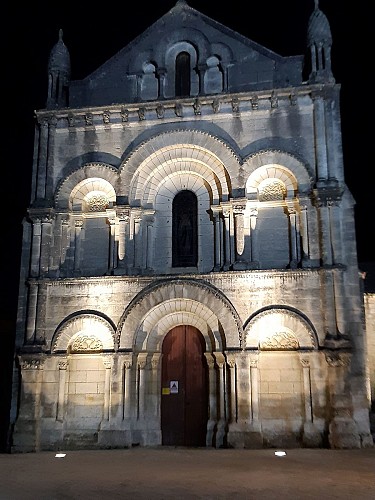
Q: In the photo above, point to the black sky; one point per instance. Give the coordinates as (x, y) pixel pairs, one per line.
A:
(93, 32)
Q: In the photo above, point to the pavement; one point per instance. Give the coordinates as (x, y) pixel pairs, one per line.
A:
(164, 473)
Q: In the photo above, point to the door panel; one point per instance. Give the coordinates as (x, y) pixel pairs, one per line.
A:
(184, 406)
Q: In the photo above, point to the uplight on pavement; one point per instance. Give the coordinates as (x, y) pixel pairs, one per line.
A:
(280, 453)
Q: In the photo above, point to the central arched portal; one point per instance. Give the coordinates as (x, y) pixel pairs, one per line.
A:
(184, 403)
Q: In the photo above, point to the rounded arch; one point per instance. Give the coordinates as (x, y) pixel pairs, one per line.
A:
(84, 329)
(191, 151)
(279, 328)
(163, 305)
(91, 177)
(285, 167)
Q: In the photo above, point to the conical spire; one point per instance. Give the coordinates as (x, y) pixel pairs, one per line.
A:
(319, 40)
(58, 74)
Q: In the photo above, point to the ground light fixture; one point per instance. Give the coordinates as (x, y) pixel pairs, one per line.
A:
(280, 453)
(60, 455)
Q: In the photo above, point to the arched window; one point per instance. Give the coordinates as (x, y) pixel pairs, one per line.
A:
(184, 230)
(182, 74)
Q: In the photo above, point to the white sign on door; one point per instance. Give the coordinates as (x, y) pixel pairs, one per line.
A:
(173, 385)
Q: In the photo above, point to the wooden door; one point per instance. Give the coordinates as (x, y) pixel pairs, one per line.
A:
(184, 400)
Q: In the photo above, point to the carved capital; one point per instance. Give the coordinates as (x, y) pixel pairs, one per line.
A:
(63, 364)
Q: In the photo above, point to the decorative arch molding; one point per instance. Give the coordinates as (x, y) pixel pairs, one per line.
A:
(150, 334)
(89, 171)
(193, 36)
(161, 155)
(85, 325)
(143, 323)
(281, 165)
(279, 328)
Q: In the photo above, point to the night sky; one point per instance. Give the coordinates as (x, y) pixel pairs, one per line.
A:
(94, 32)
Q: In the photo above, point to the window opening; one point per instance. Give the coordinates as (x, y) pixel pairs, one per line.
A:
(184, 230)
(182, 74)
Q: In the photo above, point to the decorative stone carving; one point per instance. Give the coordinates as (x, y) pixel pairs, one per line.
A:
(197, 107)
(216, 105)
(89, 120)
(279, 341)
(255, 102)
(160, 111)
(141, 114)
(124, 115)
(63, 364)
(32, 364)
(274, 100)
(106, 117)
(235, 106)
(178, 110)
(71, 120)
(97, 202)
(86, 343)
(335, 359)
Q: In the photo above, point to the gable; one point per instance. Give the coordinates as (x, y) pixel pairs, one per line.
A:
(185, 44)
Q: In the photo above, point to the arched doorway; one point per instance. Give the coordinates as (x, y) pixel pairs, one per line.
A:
(184, 403)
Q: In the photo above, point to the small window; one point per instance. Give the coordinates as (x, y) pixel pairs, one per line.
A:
(182, 74)
(184, 230)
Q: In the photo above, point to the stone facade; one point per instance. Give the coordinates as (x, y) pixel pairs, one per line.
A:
(194, 180)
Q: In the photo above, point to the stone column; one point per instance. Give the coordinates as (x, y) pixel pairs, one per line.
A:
(217, 241)
(123, 216)
(60, 410)
(148, 240)
(31, 312)
(334, 218)
(326, 243)
(27, 432)
(304, 235)
(343, 432)
(222, 423)
(254, 377)
(45, 244)
(127, 408)
(161, 75)
(41, 309)
(64, 239)
(294, 257)
(202, 68)
(141, 365)
(231, 407)
(49, 186)
(138, 247)
(238, 212)
(320, 138)
(254, 252)
(112, 254)
(78, 224)
(42, 160)
(155, 388)
(107, 389)
(305, 362)
(339, 297)
(212, 400)
(311, 435)
(36, 246)
(328, 302)
(226, 219)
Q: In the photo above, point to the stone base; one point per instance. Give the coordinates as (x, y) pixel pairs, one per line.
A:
(343, 433)
(247, 436)
(312, 437)
(110, 438)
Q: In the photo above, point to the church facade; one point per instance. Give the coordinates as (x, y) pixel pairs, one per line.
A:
(189, 273)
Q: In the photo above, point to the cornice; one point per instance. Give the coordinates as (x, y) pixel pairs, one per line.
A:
(123, 113)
